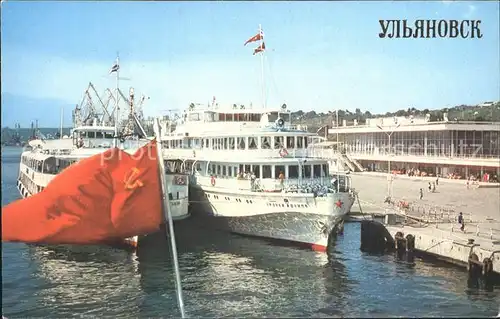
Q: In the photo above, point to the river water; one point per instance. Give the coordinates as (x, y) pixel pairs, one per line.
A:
(226, 275)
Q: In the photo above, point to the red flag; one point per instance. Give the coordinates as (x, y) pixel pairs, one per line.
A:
(260, 48)
(76, 200)
(259, 36)
(79, 204)
(137, 206)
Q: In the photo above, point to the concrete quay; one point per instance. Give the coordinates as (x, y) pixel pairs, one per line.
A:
(433, 220)
(447, 242)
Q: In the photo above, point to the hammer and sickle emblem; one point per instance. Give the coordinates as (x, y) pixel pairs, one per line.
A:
(131, 181)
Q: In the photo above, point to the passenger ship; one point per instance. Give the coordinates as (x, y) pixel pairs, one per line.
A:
(46, 158)
(250, 170)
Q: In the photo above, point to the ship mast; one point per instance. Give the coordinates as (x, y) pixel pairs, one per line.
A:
(117, 117)
(61, 125)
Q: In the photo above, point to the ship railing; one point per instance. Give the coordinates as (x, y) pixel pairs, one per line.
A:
(304, 185)
(446, 155)
(224, 154)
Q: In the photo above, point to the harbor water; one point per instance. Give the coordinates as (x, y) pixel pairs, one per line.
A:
(226, 275)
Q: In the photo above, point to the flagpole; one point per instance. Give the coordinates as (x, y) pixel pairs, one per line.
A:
(168, 215)
(262, 67)
(117, 117)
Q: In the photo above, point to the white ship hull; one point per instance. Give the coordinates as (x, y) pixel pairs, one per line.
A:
(296, 218)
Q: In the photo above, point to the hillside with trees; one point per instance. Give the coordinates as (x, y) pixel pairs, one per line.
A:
(478, 113)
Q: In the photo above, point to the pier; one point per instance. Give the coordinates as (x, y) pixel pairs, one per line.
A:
(433, 220)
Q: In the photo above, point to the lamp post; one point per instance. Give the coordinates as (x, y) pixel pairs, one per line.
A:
(389, 175)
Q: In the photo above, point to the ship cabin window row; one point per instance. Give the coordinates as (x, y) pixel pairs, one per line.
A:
(96, 134)
(235, 116)
(270, 171)
(29, 185)
(240, 143)
(50, 165)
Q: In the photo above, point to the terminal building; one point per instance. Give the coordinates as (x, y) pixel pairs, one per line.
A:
(448, 148)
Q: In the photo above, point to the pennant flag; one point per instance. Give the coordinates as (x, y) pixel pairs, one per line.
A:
(115, 67)
(260, 48)
(85, 204)
(259, 36)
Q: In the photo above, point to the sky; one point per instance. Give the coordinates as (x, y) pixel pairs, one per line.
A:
(320, 56)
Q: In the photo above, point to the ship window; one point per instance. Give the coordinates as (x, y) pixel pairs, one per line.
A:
(265, 142)
(317, 171)
(241, 169)
(293, 171)
(325, 169)
(241, 143)
(91, 134)
(218, 170)
(229, 117)
(98, 135)
(256, 170)
(307, 171)
(278, 169)
(299, 142)
(108, 135)
(230, 171)
(224, 170)
(231, 143)
(306, 141)
(252, 142)
(266, 171)
(225, 143)
(194, 116)
(278, 142)
(290, 142)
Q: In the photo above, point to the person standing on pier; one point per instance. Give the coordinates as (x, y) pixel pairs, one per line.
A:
(437, 180)
(461, 221)
(421, 193)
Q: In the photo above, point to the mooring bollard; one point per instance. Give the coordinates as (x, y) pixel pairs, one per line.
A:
(475, 269)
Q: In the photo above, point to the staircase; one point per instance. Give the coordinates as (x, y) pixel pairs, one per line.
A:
(356, 163)
(352, 164)
(345, 162)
